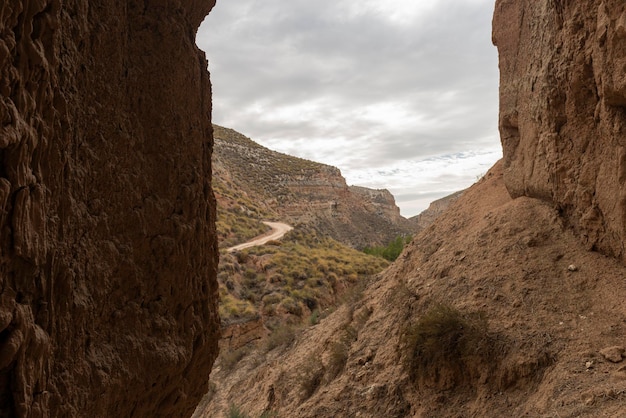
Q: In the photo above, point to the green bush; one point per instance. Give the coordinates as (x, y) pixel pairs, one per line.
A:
(392, 250)
(235, 412)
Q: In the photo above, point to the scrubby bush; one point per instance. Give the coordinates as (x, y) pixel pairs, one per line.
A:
(447, 346)
(337, 358)
(229, 358)
(284, 335)
(310, 377)
(235, 412)
(308, 271)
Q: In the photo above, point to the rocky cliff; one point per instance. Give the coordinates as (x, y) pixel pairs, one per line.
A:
(107, 251)
(435, 210)
(303, 191)
(563, 111)
(498, 308)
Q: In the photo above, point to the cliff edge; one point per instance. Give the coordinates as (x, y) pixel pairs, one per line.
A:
(108, 254)
(563, 111)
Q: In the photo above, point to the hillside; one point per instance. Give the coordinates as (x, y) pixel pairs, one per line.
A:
(308, 272)
(257, 182)
(434, 210)
(512, 302)
(549, 307)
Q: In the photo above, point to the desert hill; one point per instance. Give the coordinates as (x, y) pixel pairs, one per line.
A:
(259, 182)
(308, 272)
(511, 303)
(546, 306)
(434, 210)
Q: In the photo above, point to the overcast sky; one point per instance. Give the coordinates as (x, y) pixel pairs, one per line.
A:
(398, 94)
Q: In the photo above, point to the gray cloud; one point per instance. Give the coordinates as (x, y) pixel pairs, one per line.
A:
(339, 83)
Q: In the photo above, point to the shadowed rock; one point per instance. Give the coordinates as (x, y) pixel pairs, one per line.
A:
(107, 247)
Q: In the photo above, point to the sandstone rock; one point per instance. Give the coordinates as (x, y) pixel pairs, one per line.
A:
(562, 101)
(613, 354)
(107, 244)
(237, 335)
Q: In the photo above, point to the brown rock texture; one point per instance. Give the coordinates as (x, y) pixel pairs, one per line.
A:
(237, 335)
(107, 246)
(563, 111)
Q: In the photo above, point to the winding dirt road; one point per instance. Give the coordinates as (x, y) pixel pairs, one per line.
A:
(279, 229)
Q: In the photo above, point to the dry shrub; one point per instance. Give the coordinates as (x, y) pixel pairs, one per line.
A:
(284, 335)
(337, 358)
(446, 347)
(310, 377)
(228, 359)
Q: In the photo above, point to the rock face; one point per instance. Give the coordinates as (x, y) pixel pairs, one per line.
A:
(563, 111)
(107, 247)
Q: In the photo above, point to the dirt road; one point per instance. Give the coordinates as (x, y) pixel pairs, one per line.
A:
(279, 229)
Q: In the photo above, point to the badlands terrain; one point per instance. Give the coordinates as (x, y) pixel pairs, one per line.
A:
(509, 304)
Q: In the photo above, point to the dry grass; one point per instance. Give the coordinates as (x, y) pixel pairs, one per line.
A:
(307, 273)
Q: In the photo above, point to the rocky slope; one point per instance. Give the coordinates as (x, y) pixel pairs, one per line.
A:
(299, 191)
(511, 303)
(549, 307)
(562, 111)
(108, 250)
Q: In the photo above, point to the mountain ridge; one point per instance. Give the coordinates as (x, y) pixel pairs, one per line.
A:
(300, 191)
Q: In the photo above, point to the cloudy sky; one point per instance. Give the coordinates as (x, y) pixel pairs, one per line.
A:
(398, 94)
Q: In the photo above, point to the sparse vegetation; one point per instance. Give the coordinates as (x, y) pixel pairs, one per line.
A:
(238, 218)
(230, 358)
(284, 335)
(235, 412)
(337, 357)
(307, 273)
(390, 251)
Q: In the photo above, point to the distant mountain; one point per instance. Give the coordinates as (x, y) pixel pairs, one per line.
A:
(435, 209)
(257, 182)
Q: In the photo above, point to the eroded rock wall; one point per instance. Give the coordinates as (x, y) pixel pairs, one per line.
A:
(563, 110)
(107, 245)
